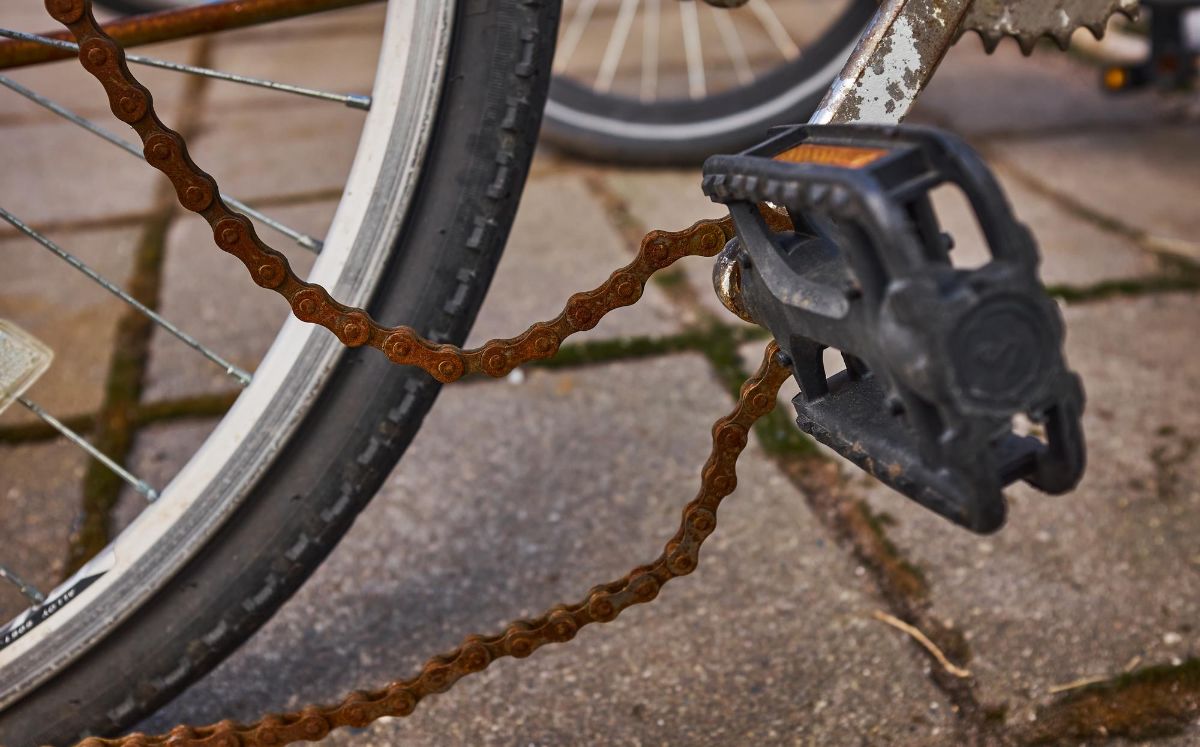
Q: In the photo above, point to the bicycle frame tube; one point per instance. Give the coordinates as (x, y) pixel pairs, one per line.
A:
(175, 24)
(893, 62)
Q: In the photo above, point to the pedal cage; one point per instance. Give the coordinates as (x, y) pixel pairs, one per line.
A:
(939, 360)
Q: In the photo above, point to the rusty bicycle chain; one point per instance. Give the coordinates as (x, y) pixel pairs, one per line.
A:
(233, 232)
(603, 603)
(197, 191)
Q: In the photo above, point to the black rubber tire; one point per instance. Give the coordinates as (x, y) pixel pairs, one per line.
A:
(635, 149)
(484, 139)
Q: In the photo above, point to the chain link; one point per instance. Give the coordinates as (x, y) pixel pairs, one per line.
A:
(197, 191)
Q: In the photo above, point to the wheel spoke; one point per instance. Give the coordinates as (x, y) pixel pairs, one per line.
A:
(616, 46)
(134, 481)
(650, 32)
(733, 45)
(28, 590)
(354, 101)
(574, 32)
(233, 371)
(308, 242)
(692, 47)
(775, 29)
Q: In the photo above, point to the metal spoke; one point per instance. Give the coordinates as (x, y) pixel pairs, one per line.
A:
(650, 32)
(616, 46)
(775, 29)
(574, 32)
(238, 374)
(733, 45)
(28, 590)
(354, 101)
(308, 242)
(135, 482)
(692, 48)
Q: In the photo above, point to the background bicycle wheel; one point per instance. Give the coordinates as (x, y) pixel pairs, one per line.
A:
(662, 81)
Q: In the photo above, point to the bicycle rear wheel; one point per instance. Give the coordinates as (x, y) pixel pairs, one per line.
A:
(423, 219)
(645, 81)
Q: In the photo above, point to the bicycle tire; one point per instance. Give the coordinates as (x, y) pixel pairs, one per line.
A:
(486, 128)
(620, 129)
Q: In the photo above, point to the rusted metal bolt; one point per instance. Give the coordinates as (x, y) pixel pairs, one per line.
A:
(727, 281)
(97, 56)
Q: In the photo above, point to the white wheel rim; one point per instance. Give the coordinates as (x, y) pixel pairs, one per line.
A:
(220, 474)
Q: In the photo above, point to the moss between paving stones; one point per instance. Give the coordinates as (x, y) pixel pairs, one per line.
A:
(1148, 703)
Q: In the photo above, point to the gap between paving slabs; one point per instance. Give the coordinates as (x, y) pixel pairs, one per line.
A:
(1167, 698)
(1147, 702)
(819, 481)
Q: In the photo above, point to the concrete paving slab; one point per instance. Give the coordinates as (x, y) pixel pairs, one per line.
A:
(1074, 252)
(303, 148)
(54, 171)
(40, 498)
(1145, 178)
(563, 243)
(68, 312)
(339, 63)
(1081, 585)
(210, 295)
(518, 496)
(352, 21)
(159, 452)
(1006, 93)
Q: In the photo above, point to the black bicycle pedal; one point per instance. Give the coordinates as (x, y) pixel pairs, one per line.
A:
(940, 360)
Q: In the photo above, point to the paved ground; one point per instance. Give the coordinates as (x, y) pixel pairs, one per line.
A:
(1077, 623)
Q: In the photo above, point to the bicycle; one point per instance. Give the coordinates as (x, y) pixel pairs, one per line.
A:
(528, 64)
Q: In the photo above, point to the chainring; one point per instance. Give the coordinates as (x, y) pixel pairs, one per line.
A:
(1027, 21)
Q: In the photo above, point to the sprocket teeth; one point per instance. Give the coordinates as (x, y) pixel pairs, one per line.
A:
(990, 41)
(1029, 20)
